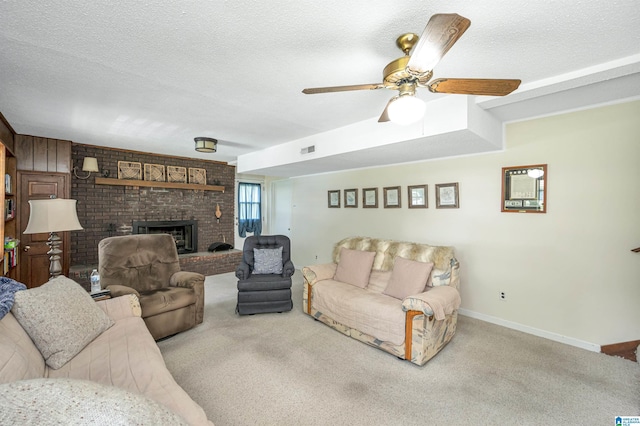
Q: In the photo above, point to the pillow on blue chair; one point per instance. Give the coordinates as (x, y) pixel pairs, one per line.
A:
(267, 261)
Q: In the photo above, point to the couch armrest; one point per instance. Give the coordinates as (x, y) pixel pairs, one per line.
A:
(437, 301)
(121, 307)
(194, 281)
(185, 279)
(314, 273)
(243, 271)
(288, 269)
(118, 290)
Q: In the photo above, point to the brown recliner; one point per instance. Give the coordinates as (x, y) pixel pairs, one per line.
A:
(147, 266)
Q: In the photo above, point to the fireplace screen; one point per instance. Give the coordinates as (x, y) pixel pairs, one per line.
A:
(184, 232)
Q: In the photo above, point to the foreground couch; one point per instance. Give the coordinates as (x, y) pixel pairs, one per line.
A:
(148, 266)
(399, 297)
(120, 371)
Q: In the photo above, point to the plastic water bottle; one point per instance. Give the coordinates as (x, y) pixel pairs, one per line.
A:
(95, 281)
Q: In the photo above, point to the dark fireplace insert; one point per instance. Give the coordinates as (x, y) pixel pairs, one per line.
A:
(184, 232)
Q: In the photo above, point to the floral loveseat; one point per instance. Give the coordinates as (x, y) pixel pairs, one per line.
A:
(66, 359)
(399, 297)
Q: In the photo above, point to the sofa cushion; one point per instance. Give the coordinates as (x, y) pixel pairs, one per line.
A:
(267, 261)
(61, 319)
(378, 280)
(408, 278)
(387, 250)
(354, 267)
(126, 356)
(19, 357)
(371, 313)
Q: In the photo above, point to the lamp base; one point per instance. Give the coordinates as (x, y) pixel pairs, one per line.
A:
(55, 267)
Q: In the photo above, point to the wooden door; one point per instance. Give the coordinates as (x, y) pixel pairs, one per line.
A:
(34, 264)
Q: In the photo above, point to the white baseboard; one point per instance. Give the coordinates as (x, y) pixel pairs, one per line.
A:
(531, 330)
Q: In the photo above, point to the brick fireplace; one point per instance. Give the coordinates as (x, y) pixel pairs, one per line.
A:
(106, 210)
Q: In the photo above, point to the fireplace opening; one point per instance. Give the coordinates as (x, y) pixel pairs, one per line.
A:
(184, 232)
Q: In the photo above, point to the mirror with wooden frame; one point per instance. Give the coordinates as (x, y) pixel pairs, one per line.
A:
(524, 189)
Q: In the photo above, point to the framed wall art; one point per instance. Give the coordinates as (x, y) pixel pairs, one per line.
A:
(417, 196)
(129, 170)
(176, 174)
(154, 172)
(447, 196)
(197, 176)
(370, 198)
(524, 189)
(392, 197)
(351, 198)
(333, 198)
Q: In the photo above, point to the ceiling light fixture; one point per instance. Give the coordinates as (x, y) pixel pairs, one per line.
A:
(208, 145)
(406, 109)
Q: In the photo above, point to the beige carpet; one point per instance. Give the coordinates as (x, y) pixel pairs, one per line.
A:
(287, 369)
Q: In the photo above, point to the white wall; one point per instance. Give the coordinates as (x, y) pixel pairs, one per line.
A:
(568, 274)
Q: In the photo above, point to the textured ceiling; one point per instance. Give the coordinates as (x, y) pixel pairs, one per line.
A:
(151, 76)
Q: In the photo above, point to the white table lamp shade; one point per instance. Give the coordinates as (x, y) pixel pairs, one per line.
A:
(52, 215)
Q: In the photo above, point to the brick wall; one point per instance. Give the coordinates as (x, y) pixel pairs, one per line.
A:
(105, 210)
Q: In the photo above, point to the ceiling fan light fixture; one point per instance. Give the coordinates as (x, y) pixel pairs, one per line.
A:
(207, 145)
(406, 109)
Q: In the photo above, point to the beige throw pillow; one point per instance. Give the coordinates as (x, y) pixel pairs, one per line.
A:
(61, 319)
(354, 267)
(408, 278)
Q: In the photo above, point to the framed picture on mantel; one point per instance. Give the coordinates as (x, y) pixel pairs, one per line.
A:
(129, 170)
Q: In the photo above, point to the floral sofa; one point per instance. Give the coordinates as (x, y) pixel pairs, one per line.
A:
(397, 296)
(66, 359)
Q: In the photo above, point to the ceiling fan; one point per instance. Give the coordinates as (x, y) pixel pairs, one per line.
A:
(409, 72)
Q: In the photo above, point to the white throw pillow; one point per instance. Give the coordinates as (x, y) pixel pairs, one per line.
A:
(61, 319)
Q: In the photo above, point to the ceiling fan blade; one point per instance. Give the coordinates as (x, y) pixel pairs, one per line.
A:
(441, 32)
(315, 90)
(474, 86)
(384, 117)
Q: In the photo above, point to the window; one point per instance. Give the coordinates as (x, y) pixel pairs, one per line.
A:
(249, 211)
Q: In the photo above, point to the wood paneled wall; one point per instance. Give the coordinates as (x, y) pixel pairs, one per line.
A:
(43, 154)
(6, 134)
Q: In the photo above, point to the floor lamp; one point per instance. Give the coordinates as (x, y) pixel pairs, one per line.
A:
(53, 215)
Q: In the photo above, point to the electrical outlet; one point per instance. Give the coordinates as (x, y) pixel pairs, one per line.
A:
(316, 257)
(503, 295)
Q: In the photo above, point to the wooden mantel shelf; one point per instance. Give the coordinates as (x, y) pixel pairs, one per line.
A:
(150, 184)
